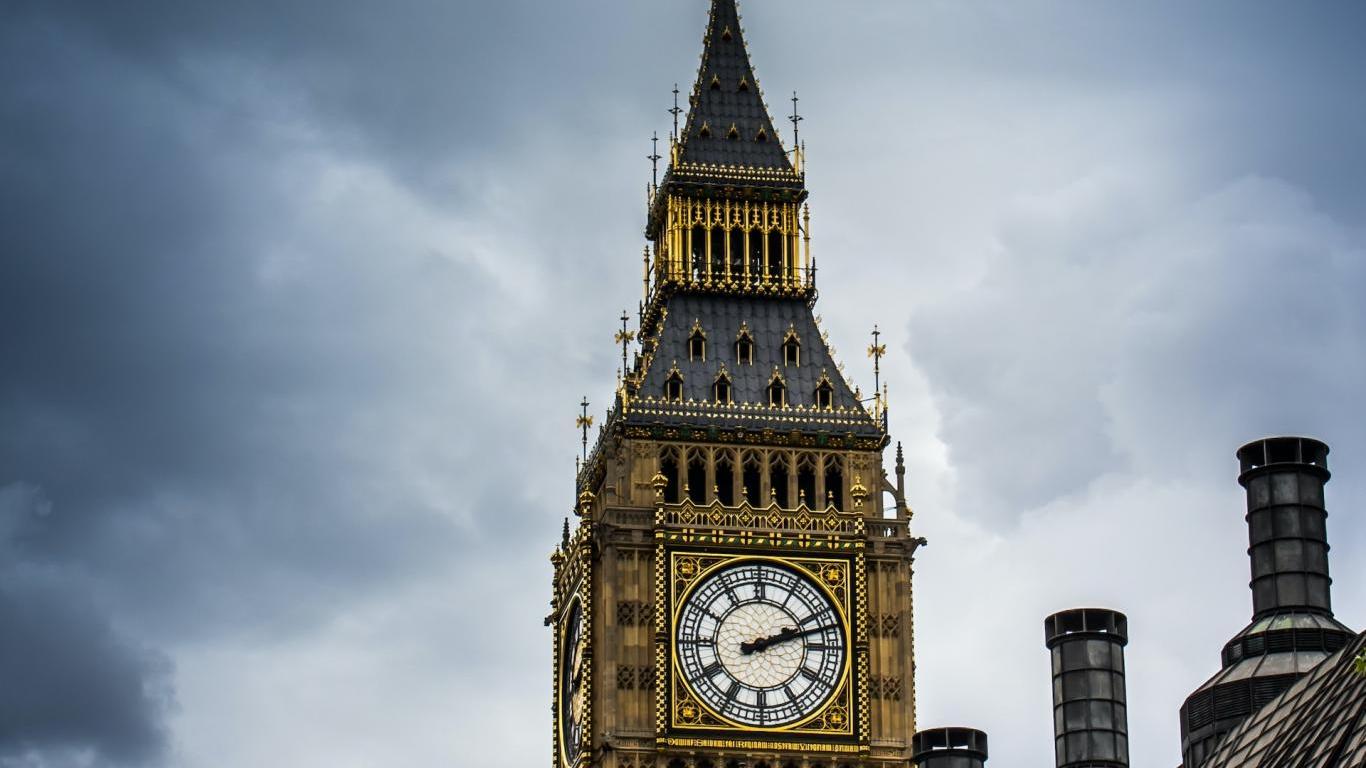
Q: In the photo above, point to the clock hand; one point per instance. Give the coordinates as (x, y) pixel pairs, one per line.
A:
(787, 633)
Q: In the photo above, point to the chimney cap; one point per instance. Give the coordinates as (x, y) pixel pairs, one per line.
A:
(949, 742)
(1091, 623)
(1277, 452)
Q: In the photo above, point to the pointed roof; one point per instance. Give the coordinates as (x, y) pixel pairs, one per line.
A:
(728, 123)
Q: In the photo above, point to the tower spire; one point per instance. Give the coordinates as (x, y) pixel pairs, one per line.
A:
(728, 122)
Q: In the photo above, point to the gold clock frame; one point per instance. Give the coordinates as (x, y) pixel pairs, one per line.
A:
(685, 712)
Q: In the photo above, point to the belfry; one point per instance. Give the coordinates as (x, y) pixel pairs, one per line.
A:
(735, 591)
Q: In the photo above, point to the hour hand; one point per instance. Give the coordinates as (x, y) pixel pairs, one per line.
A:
(787, 633)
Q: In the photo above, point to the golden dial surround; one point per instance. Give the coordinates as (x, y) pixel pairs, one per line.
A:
(760, 643)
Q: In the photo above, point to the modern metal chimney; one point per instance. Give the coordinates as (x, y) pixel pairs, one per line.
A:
(1090, 718)
(1292, 627)
(949, 748)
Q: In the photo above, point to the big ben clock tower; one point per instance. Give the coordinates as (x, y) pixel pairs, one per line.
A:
(736, 592)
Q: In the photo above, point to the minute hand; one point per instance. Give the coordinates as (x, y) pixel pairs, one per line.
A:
(788, 633)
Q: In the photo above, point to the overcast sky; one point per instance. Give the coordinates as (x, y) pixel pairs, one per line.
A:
(298, 299)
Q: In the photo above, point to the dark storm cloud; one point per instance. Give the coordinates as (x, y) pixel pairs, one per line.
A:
(73, 683)
(267, 300)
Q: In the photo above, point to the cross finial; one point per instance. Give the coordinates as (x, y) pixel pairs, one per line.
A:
(654, 161)
(583, 422)
(675, 112)
(876, 351)
(624, 338)
(794, 119)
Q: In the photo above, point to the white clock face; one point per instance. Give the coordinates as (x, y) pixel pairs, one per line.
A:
(760, 645)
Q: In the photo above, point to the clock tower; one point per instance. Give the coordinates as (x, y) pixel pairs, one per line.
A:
(736, 589)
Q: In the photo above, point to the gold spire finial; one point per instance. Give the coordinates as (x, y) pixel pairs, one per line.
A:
(857, 492)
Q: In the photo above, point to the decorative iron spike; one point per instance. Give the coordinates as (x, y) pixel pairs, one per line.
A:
(675, 112)
(654, 162)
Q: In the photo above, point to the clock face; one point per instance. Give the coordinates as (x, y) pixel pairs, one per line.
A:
(573, 683)
(760, 645)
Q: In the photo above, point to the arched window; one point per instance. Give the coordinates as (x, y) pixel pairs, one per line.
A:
(721, 389)
(697, 343)
(697, 478)
(777, 390)
(777, 479)
(806, 481)
(825, 393)
(834, 483)
(673, 386)
(751, 478)
(792, 347)
(744, 346)
(725, 479)
(668, 467)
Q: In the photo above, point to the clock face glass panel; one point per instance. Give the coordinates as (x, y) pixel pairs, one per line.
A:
(573, 679)
(760, 645)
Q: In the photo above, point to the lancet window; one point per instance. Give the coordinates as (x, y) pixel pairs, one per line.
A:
(697, 478)
(792, 348)
(697, 343)
(668, 467)
(824, 396)
(751, 479)
(777, 480)
(725, 479)
(673, 387)
(777, 391)
(806, 481)
(744, 346)
(721, 388)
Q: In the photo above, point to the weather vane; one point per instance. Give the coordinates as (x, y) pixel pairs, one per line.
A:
(675, 112)
(584, 422)
(624, 338)
(796, 118)
(876, 351)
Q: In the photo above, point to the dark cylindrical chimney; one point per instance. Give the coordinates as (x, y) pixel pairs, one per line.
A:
(949, 748)
(1286, 522)
(1090, 718)
(1292, 626)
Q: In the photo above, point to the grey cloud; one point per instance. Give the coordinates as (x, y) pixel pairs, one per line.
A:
(74, 684)
(1218, 317)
